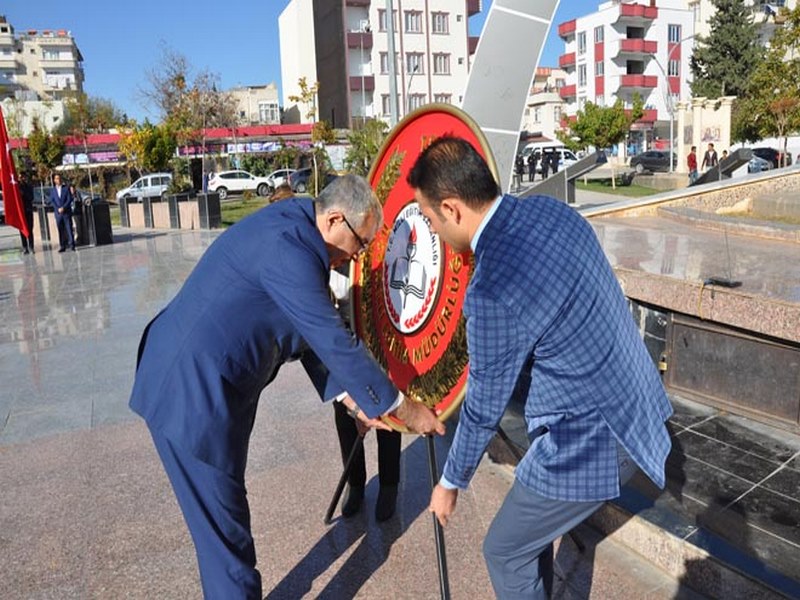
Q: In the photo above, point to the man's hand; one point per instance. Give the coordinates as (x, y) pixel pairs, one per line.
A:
(363, 422)
(418, 417)
(443, 503)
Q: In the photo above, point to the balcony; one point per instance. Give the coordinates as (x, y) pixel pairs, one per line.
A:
(567, 91)
(637, 14)
(355, 83)
(473, 7)
(638, 81)
(472, 44)
(567, 61)
(358, 39)
(567, 30)
(637, 47)
(649, 115)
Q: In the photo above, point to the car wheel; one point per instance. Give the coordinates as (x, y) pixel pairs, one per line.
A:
(640, 168)
(262, 189)
(223, 193)
(301, 188)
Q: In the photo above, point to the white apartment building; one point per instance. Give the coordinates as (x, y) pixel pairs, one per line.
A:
(544, 106)
(764, 13)
(350, 57)
(628, 47)
(257, 104)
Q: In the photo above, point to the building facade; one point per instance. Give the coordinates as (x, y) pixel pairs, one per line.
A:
(257, 104)
(626, 48)
(544, 106)
(350, 57)
(765, 15)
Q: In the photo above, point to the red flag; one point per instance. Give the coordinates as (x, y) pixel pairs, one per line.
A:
(15, 215)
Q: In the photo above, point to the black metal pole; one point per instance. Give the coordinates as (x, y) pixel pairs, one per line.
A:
(441, 557)
(359, 443)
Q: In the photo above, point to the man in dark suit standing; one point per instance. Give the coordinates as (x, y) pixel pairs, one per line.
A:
(547, 323)
(531, 166)
(26, 193)
(61, 199)
(258, 298)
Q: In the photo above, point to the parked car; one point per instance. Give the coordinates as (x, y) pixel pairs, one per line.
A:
(298, 180)
(774, 156)
(238, 181)
(566, 158)
(148, 186)
(276, 178)
(758, 164)
(653, 160)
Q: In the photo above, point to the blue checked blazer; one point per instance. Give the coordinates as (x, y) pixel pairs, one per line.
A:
(547, 320)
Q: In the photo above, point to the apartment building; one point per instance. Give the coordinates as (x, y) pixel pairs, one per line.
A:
(257, 104)
(544, 106)
(628, 47)
(38, 70)
(349, 56)
(765, 15)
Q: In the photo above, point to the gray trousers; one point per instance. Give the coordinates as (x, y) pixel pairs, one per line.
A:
(518, 548)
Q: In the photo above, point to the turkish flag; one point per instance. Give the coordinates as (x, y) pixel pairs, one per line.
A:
(15, 215)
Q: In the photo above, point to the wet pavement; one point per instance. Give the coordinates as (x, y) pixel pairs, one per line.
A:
(87, 512)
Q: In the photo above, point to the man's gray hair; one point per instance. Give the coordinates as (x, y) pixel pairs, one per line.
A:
(353, 196)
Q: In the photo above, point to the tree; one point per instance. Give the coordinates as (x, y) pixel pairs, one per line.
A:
(85, 114)
(603, 126)
(771, 106)
(722, 62)
(149, 147)
(323, 133)
(46, 150)
(364, 146)
(307, 96)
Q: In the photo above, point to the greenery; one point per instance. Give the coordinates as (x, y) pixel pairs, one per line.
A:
(722, 62)
(85, 114)
(233, 212)
(45, 150)
(307, 96)
(259, 165)
(364, 146)
(606, 186)
(323, 133)
(771, 106)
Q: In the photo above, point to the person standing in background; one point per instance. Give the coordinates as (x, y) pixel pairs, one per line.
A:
(26, 193)
(691, 164)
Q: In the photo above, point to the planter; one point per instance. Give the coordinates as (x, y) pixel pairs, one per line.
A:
(156, 212)
(209, 211)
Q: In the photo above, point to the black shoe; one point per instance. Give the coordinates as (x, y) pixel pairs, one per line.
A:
(73, 249)
(387, 501)
(62, 249)
(352, 501)
(26, 251)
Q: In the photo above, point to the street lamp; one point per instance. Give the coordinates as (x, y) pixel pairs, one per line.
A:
(414, 71)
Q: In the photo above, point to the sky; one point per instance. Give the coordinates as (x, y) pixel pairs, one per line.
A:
(235, 39)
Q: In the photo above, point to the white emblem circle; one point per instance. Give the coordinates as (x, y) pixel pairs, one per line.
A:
(411, 270)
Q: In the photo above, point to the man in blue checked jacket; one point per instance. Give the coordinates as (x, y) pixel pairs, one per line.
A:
(546, 322)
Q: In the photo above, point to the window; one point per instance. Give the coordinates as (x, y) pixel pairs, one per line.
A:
(413, 20)
(600, 100)
(415, 62)
(582, 75)
(440, 23)
(674, 34)
(382, 19)
(461, 60)
(598, 34)
(50, 55)
(443, 98)
(557, 114)
(441, 64)
(385, 62)
(582, 42)
(385, 106)
(674, 68)
(415, 101)
(268, 112)
(537, 114)
(599, 69)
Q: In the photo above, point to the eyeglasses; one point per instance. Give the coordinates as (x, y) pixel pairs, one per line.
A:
(361, 241)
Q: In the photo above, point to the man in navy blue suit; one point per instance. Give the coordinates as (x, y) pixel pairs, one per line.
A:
(61, 199)
(257, 298)
(547, 323)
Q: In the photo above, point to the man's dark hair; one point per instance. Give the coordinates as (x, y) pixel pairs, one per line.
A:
(451, 168)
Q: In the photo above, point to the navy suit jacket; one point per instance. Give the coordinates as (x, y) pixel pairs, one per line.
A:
(64, 200)
(547, 321)
(257, 298)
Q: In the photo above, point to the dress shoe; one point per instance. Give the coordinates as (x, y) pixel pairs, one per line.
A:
(352, 502)
(387, 500)
(62, 249)
(73, 249)
(26, 251)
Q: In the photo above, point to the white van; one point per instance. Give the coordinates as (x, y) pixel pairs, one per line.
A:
(149, 186)
(537, 147)
(566, 158)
